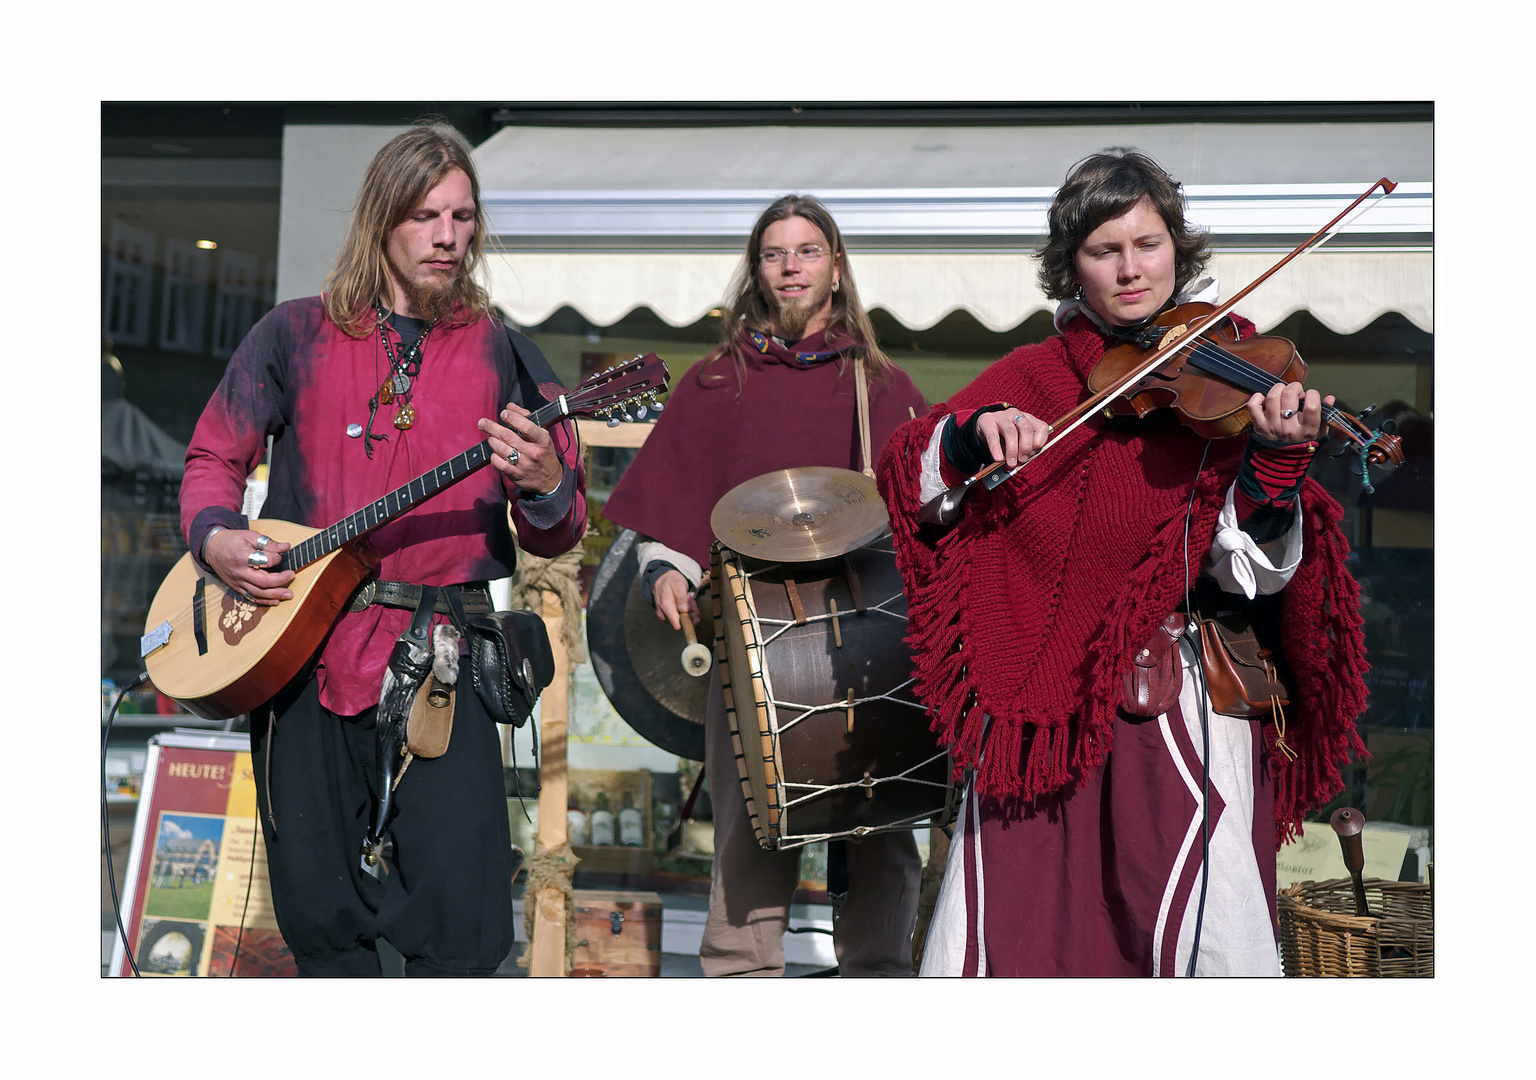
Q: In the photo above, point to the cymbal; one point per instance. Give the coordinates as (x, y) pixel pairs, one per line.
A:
(800, 515)
(656, 654)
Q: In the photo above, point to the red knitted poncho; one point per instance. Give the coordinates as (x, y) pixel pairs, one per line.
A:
(1025, 610)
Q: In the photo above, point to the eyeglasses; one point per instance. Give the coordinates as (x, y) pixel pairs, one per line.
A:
(805, 253)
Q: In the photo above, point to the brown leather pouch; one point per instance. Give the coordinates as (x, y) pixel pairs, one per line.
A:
(430, 722)
(1151, 680)
(1240, 673)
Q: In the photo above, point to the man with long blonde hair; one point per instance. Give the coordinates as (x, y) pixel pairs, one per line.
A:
(396, 369)
(780, 392)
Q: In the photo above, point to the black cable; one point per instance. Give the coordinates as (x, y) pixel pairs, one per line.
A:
(1205, 734)
(250, 877)
(106, 827)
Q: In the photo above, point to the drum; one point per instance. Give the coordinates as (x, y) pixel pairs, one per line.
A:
(830, 741)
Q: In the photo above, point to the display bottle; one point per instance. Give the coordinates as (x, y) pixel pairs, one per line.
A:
(575, 822)
(631, 823)
(602, 821)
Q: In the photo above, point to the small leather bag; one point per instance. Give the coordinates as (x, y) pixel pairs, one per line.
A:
(1154, 674)
(430, 724)
(1240, 673)
(511, 662)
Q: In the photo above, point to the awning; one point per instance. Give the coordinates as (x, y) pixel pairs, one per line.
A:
(1344, 290)
(955, 238)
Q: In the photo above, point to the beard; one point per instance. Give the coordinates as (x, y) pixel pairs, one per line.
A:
(792, 315)
(432, 299)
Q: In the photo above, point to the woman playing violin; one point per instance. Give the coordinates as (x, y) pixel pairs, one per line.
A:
(1107, 830)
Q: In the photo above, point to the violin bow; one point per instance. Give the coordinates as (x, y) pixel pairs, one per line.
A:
(944, 509)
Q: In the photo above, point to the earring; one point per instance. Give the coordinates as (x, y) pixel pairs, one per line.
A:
(1079, 294)
(837, 283)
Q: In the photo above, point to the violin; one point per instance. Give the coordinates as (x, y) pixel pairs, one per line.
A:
(1208, 380)
(1189, 359)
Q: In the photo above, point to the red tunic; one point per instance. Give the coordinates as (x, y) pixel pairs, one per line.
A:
(298, 379)
(712, 438)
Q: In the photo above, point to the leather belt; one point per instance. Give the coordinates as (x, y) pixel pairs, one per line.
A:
(402, 594)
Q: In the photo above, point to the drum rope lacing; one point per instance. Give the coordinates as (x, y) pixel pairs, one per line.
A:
(807, 710)
(755, 648)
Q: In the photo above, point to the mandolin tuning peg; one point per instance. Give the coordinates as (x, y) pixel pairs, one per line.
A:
(656, 406)
(613, 421)
(640, 412)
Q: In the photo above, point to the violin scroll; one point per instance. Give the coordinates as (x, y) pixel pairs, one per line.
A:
(1380, 447)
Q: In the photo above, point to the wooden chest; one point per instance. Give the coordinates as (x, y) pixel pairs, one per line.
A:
(618, 932)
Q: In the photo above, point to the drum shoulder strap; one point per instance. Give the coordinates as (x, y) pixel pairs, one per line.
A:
(861, 392)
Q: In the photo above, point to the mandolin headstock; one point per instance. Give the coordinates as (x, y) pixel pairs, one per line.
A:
(609, 394)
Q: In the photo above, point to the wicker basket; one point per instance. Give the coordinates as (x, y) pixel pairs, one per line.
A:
(1320, 935)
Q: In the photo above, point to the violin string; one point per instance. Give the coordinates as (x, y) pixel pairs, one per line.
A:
(1246, 376)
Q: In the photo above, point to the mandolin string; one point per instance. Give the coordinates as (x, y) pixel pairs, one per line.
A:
(584, 400)
(322, 543)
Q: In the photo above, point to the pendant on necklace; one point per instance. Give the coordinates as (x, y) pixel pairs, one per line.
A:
(386, 391)
(354, 431)
(405, 417)
(402, 382)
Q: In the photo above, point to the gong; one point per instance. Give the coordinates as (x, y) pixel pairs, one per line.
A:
(638, 658)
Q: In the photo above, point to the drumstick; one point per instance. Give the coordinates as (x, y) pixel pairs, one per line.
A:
(696, 658)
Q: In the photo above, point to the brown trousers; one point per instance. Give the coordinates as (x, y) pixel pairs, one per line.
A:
(750, 889)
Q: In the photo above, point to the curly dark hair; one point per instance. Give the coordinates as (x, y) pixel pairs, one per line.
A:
(1104, 186)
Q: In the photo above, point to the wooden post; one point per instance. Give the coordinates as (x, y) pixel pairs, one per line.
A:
(928, 891)
(547, 949)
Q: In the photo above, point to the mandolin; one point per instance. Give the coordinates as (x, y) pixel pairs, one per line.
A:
(219, 655)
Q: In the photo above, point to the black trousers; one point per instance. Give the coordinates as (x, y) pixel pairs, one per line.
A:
(446, 904)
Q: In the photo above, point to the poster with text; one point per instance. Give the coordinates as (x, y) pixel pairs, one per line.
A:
(198, 901)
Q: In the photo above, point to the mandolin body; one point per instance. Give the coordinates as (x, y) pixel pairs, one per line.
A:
(247, 652)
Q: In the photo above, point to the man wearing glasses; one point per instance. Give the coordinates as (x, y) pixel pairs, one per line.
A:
(778, 393)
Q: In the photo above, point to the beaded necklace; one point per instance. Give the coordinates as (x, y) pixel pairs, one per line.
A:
(397, 384)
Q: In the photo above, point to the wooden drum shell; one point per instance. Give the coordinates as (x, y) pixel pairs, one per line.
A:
(807, 773)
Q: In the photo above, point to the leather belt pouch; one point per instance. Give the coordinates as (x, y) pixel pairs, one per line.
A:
(1151, 681)
(430, 723)
(1240, 673)
(511, 663)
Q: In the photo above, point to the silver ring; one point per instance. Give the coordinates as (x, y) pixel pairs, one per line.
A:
(513, 456)
(256, 559)
(262, 541)
(1286, 414)
(1019, 419)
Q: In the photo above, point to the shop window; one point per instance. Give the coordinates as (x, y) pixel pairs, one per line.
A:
(235, 302)
(125, 293)
(184, 298)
